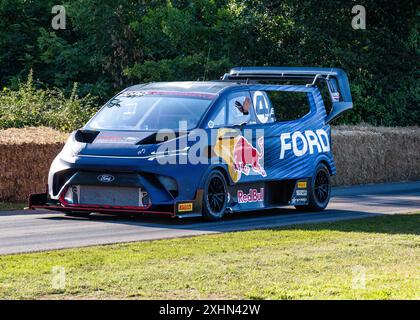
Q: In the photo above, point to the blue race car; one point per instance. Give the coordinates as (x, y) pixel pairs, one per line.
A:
(188, 149)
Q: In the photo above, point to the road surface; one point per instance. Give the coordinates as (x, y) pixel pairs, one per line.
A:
(27, 231)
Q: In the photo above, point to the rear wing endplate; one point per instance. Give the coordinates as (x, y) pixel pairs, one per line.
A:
(336, 79)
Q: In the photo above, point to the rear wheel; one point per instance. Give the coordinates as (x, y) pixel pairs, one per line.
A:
(319, 191)
(215, 196)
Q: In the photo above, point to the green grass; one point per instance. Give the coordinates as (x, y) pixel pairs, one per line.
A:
(12, 205)
(313, 261)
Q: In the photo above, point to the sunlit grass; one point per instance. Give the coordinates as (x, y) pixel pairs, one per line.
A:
(375, 258)
(12, 205)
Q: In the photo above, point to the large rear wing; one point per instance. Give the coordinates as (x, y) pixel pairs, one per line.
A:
(335, 78)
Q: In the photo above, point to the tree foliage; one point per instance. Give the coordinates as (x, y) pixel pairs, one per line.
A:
(110, 44)
(31, 106)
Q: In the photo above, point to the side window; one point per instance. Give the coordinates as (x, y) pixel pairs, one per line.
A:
(288, 105)
(219, 119)
(239, 105)
(263, 107)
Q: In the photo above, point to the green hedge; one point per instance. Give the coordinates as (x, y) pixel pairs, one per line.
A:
(108, 45)
(31, 106)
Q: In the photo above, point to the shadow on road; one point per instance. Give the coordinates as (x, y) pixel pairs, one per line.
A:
(382, 201)
(146, 220)
(391, 224)
(272, 219)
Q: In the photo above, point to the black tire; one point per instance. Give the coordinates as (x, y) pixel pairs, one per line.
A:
(215, 196)
(319, 191)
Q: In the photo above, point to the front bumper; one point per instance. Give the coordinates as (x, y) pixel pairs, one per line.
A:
(171, 190)
(181, 209)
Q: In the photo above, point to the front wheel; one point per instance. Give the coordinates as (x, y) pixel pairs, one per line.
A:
(215, 196)
(319, 191)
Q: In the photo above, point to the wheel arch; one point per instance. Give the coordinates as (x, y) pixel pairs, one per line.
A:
(225, 173)
(220, 168)
(326, 159)
(325, 162)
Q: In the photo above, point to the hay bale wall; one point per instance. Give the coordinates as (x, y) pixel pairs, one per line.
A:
(375, 154)
(25, 158)
(362, 154)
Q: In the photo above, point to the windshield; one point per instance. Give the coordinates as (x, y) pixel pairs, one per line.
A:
(149, 112)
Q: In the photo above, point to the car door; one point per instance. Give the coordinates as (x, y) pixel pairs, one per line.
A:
(246, 155)
(283, 136)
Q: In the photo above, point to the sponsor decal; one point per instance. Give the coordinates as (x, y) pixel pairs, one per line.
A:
(184, 207)
(299, 201)
(335, 96)
(164, 92)
(252, 196)
(261, 106)
(106, 178)
(301, 143)
(246, 157)
(115, 139)
(241, 156)
(302, 192)
(302, 184)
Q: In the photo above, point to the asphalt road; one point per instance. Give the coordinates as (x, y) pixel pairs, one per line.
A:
(26, 231)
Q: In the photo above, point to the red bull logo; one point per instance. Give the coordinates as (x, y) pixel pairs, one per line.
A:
(240, 155)
(247, 158)
(252, 196)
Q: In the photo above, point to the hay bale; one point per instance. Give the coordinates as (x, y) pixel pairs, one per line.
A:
(363, 154)
(366, 154)
(37, 135)
(25, 157)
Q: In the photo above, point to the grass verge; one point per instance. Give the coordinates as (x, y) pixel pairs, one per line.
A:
(375, 258)
(12, 205)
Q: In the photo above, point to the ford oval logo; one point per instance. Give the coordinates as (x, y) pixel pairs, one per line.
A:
(106, 178)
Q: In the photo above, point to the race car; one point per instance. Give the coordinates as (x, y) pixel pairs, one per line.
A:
(187, 149)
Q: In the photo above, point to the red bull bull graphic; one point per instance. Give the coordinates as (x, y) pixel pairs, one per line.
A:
(240, 155)
(247, 158)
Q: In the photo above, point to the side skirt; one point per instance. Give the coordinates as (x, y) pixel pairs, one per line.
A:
(260, 195)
